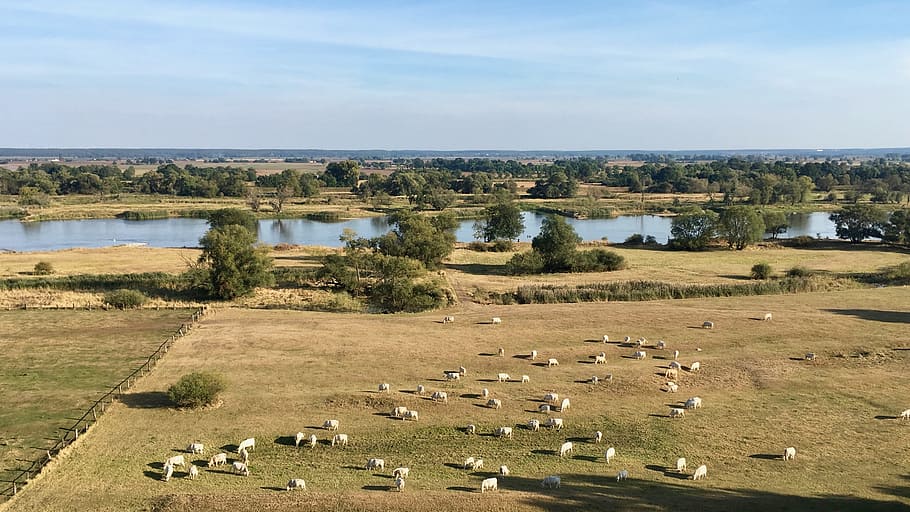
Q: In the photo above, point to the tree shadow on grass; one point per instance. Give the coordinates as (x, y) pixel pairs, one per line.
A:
(146, 400)
(593, 492)
(901, 317)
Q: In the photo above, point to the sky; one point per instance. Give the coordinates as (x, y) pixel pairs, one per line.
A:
(449, 75)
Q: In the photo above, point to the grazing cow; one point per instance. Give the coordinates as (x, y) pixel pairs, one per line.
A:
(385, 388)
(525, 379)
(672, 373)
(681, 464)
(554, 423)
(905, 415)
(609, 454)
(496, 320)
(489, 484)
(176, 460)
(551, 482)
(398, 412)
(448, 319)
(552, 362)
(598, 436)
(502, 377)
(300, 436)
(399, 484)
(248, 444)
(534, 425)
(677, 413)
(401, 472)
(693, 403)
(375, 464)
(790, 453)
(341, 439)
(810, 356)
(452, 375)
(296, 483)
(503, 470)
(551, 397)
(195, 448)
(564, 406)
(502, 352)
(600, 359)
(700, 472)
(566, 448)
(193, 472)
(494, 403)
(168, 471)
(503, 432)
(485, 393)
(312, 440)
(218, 459)
(330, 425)
(622, 475)
(533, 355)
(470, 429)
(411, 416)
(468, 463)
(240, 468)
(543, 408)
(694, 367)
(421, 389)
(661, 344)
(440, 396)
(606, 339)
(707, 325)
(641, 354)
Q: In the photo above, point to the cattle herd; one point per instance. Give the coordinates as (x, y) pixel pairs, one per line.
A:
(240, 462)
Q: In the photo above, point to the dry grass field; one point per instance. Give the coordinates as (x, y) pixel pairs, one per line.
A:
(290, 371)
(55, 364)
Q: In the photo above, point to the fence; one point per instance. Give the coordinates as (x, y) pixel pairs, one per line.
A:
(92, 414)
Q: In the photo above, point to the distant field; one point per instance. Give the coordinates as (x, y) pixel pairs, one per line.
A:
(55, 364)
(290, 371)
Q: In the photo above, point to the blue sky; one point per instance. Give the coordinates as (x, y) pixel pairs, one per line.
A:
(464, 74)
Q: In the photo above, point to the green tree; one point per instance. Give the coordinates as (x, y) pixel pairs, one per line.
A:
(232, 264)
(858, 221)
(502, 221)
(197, 389)
(342, 174)
(741, 226)
(228, 216)
(425, 239)
(693, 230)
(557, 184)
(897, 230)
(556, 244)
(775, 222)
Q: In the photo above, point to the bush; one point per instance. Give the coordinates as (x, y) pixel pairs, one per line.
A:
(43, 268)
(124, 299)
(597, 260)
(197, 389)
(635, 239)
(761, 271)
(501, 246)
(530, 262)
(799, 271)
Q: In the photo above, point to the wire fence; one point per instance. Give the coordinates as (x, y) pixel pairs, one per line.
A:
(81, 426)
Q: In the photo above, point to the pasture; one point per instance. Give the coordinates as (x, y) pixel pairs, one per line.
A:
(55, 364)
(290, 371)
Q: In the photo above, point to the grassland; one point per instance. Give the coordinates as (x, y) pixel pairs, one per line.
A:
(289, 371)
(56, 364)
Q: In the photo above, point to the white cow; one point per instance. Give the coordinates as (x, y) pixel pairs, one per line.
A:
(672, 373)
(401, 472)
(502, 377)
(641, 354)
(534, 425)
(296, 483)
(298, 438)
(594, 379)
(601, 359)
(218, 459)
(496, 320)
(247, 444)
(411, 416)
(375, 464)
(693, 403)
(452, 375)
(675, 365)
(564, 406)
(240, 468)
(448, 319)
(503, 432)
(694, 367)
(340, 439)
(502, 352)
(168, 471)
(193, 472)
(399, 411)
(598, 436)
(661, 344)
(622, 475)
(672, 387)
(707, 325)
(768, 317)
(470, 429)
(485, 393)
(905, 415)
(543, 408)
(195, 448)
(421, 389)
(440, 396)
(489, 484)
(566, 448)
(606, 339)
(790, 453)
(176, 460)
(552, 362)
(312, 440)
(554, 423)
(469, 463)
(533, 355)
(525, 379)
(700, 472)
(385, 388)
(609, 454)
(494, 403)
(503, 470)
(399, 484)
(462, 371)
(551, 482)
(551, 397)
(681, 464)
(330, 425)
(677, 413)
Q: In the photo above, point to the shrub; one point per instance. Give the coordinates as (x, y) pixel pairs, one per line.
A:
(761, 271)
(799, 271)
(900, 272)
(530, 262)
(43, 268)
(650, 240)
(124, 299)
(635, 239)
(501, 246)
(597, 260)
(197, 389)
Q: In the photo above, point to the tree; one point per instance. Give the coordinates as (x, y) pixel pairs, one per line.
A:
(342, 174)
(228, 216)
(197, 389)
(858, 221)
(556, 244)
(775, 222)
(693, 230)
(741, 226)
(233, 266)
(557, 184)
(502, 221)
(425, 239)
(897, 230)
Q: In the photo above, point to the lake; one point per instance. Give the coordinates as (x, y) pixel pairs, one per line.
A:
(64, 234)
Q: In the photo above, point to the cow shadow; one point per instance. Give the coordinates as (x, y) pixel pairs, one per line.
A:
(376, 487)
(766, 456)
(461, 488)
(595, 341)
(584, 381)
(482, 406)
(541, 365)
(487, 380)
(883, 417)
(655, 415)
(453, 465)
(797, 358)
(488, 354)
(267, 488)
(475, 396)
(230, 448)
(585, 361)
(154, 475)
(588, 458)
(288, 440)
(355, 468)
